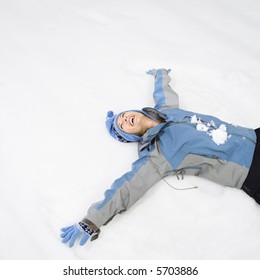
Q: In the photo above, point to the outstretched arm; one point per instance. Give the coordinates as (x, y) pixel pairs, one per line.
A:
(123, 193)
(164, 96)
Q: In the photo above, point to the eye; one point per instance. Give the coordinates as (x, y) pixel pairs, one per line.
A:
(121, 125)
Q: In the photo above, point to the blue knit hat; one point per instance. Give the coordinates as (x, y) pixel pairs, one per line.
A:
(116, 132)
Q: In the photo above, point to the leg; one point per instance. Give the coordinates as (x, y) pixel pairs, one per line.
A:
(252, 183)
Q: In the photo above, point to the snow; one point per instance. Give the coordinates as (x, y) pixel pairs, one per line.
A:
(64, 64)
(219, 135)
(200, 125)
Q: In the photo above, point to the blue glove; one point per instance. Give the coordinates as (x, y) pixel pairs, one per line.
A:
(154, 71)
(73, 232)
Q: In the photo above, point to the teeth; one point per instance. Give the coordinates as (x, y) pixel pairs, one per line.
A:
(132, 120)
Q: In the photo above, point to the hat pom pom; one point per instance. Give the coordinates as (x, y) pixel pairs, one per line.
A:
(110, 114)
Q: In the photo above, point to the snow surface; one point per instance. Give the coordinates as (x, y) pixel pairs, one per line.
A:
(64, 64)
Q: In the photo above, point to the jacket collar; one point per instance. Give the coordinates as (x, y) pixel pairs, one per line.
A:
(150, 135)
(153, 132)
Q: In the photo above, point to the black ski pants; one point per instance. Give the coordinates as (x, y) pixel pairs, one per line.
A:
(252, 183)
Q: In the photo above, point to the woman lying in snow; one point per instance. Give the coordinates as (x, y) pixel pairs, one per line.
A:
(172, 141)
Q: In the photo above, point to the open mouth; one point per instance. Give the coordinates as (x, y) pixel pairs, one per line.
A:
(131, 120)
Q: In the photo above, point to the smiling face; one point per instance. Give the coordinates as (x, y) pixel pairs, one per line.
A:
(134, 122)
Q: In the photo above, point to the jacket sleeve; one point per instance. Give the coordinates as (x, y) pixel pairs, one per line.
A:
(123, 193)
(164, 96)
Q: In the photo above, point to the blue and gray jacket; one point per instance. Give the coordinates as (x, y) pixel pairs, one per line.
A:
(185, 143)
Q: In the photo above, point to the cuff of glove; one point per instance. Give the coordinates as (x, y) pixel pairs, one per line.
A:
(89, 228)
(85, 228)
(154, 72)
